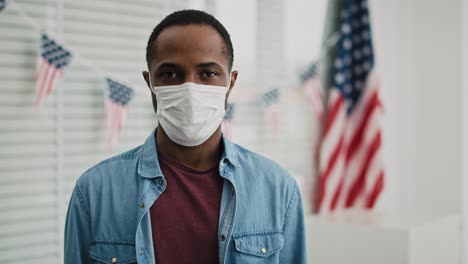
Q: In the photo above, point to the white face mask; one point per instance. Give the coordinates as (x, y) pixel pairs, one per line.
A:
(190, 113)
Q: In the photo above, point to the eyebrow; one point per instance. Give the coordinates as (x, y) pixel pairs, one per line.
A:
(168, 65)
(208, 64)
(200, 65)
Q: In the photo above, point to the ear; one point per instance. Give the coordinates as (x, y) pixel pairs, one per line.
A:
(233, 79)
(231, 85)
(146, 77)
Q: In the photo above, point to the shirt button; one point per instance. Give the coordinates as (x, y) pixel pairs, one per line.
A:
(142, 205)
(160, 182)
(140, 251)
(223, 238)
(264, 251)
(114, 260)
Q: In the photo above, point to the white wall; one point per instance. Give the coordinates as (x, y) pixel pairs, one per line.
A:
(464, 102)
(239, 18)
(304, 27)
(418, 47)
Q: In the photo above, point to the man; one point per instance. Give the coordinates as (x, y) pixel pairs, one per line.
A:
(187, 195)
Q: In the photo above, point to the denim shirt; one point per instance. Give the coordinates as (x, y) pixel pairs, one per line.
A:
(260, 221)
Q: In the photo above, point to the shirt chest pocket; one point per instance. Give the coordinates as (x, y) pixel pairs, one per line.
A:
(112, 252)
(258, 248)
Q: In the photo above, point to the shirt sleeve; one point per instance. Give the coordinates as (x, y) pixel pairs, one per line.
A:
(294, 250)
(77, 230)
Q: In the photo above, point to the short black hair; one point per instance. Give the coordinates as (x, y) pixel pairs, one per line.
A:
(190, 17)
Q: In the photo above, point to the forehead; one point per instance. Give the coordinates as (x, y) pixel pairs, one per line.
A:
(189, 45)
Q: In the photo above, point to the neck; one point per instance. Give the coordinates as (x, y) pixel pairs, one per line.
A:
(201, 157)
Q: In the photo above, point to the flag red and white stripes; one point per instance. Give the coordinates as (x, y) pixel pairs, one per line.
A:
(314, 94)
(46, 78)
(351, 172)
(116, 116)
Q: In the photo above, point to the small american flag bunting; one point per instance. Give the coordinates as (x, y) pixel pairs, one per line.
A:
(313, 90)
(270, 101)
(52, 60)
(227, 120)
(118, 97)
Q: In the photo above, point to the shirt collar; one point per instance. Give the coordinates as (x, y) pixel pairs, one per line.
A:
(229, 151)
(148, 166)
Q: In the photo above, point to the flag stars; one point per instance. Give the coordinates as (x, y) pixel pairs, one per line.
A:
(55, 54)
(347, 44)
(364, 4)
(347, 60)
(119, 93)
(339, 78)
(358, 84)
(344, 14)
(347, 89)
(366, 50)
(365, 35)
(354, 52)
(357, 70)
(348, 74)
(346, 28)
(367, 66)
(357, 54)
(229, 114)
(338, 63)
(356, 24)
(271, 97)
(365, 20)
(356, 39)
(309, 72)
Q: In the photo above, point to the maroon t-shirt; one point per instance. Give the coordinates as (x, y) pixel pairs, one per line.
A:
(184, 218)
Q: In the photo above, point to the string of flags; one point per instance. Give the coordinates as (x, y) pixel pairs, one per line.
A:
(54, 58)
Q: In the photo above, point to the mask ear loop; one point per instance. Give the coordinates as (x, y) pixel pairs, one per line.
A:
(154, 93)
(149, 80)
(230, 79)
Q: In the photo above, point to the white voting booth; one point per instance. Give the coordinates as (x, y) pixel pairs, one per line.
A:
(373, 238)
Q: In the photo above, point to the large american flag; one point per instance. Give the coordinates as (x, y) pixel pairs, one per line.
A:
(118, 96)
(53, 58)
(351, 173)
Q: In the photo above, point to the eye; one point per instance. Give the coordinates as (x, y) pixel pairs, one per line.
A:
(208, 74)
(168, 75)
